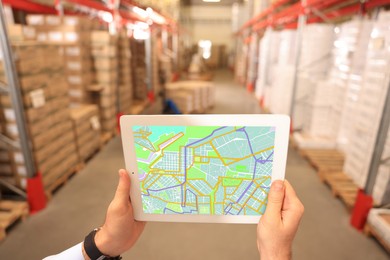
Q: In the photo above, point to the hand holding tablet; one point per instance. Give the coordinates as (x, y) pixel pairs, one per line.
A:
(203, 168)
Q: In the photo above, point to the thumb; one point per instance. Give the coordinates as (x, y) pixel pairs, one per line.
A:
(123, 190)
(275, 201)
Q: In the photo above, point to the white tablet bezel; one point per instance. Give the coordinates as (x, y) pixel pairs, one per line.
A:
(280, 122)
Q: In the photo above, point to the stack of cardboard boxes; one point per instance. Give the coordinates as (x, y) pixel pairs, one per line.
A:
(165, 64)
(191, 96)
(86, 127)
(105, 65)
(139, 69)
(369, 111)
(44, 89)
(74, 34)
(125, 78)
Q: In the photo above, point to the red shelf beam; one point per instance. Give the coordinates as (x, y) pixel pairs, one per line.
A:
(129, 17)
(376, 3)
(288, 16)
(262, 15)
(25, 5)
(91, 4)
(345, 11)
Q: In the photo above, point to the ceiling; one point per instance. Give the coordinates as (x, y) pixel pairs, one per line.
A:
(200, 2)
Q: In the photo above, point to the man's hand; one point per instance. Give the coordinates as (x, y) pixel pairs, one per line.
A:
(120, 231)
(278, 225)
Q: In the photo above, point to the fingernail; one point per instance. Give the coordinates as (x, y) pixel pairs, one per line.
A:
(277, 185)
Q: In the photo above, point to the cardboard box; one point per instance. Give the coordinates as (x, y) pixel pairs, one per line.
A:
(87, 129)
(32, 82)
(35, 19)
(109, 125)
(27, 50)
(77, 22)
(30, 99)
(62, 169)
(77, 80)
(102, 37)
(106, 76)
(107, 113)
(79, 94)
(101, 63)
(77, 51)
(80, 66)
(20, 33)
(30, 66)
(104, 101)
(81, 114)
(109, 51)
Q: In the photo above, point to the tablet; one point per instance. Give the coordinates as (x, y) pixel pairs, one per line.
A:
(203, 168)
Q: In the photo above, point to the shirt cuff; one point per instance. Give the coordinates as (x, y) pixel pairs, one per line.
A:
(74, 253)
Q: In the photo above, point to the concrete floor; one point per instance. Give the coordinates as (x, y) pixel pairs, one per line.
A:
(81, 204)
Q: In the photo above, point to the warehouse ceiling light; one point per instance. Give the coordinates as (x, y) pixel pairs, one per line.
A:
(157, 18)
(141, 12)
(212, 1)
(205, 48)
(106, 16)
(140, 31)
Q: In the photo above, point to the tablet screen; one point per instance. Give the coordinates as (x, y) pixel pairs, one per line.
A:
(210, 170)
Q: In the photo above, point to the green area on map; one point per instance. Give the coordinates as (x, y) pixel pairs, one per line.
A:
(212, 170)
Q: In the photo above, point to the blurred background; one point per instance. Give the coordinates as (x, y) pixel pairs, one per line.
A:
(70, 68)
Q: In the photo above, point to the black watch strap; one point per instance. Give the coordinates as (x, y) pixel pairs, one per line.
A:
(91, 249)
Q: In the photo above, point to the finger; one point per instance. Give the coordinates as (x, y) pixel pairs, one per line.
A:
(275, 201)
(290, 192)
(292, 206)
(123, 190)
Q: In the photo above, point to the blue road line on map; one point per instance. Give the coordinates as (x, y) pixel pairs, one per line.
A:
(210, 135)
(249, 141)
(165, 209)
(266, 160)
(166, 188)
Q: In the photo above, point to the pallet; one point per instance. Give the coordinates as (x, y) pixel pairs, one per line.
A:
(62, 180)
(342, 187)
(324, 159)
(370, 232)
(10, 213)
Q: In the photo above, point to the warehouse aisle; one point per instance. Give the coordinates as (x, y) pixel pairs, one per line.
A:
(80, 206)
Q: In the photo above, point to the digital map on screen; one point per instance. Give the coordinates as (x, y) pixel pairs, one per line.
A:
(212, 170)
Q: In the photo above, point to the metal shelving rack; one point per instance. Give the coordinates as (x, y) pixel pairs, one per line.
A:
(12, 88)
(35, 193)
(287, 14)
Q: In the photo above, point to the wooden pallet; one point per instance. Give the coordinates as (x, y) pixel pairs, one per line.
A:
(62, 180)
(10, 213)
(324, 159)
(370, 231)
(342, 187)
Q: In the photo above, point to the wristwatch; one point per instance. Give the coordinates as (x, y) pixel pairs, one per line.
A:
(91, 249)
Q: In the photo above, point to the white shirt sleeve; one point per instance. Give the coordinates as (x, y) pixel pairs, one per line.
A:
(73, 253)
